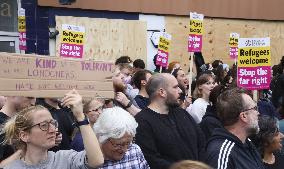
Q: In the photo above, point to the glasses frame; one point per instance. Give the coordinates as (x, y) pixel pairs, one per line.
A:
(95, 110)
(253, 108)
(55, 124)
(120, 146)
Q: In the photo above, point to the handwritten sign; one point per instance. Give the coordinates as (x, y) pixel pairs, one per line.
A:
(72, 41)
(163, 49)
(195, 32)
(254, 63)
(37, 76)
(233, 43)
(22, 29)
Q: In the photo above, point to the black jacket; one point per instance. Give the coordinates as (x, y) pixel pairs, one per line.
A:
(226, 151)
(209, 122)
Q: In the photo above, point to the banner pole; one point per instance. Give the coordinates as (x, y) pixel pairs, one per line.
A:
(190, 73)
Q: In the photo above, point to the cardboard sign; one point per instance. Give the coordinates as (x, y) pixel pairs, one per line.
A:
(195, 32)
(254, 63)
(22, 29)
(37, 76)
(163, 49)
(72, 41)
(233, 43)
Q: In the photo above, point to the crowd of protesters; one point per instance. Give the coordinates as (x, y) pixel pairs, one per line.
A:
(154, 120)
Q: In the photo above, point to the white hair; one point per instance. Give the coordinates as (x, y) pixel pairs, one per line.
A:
(114, 123)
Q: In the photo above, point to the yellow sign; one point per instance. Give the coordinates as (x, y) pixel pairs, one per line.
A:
(233, 42)
(164, 44)
(72, 37)
(22, 24)
(196, 27)
(254, 56)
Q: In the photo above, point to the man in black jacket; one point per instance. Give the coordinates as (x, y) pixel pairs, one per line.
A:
(229, 147)
(166, 133)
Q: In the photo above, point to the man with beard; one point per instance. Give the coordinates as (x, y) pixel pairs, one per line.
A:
(229, 147)
(119, 87)
(166, 133)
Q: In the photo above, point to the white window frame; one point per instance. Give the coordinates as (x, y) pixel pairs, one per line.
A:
(11, 36)
(15, 40)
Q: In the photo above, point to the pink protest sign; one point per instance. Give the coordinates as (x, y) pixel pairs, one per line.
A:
(233, 52)
(233, 43)
(254, 63)
(72, 40)
(162, 58)
(22, 41)
(22, 29)
(195, 32)
(254, 78)
(194, 43)
(163, 50)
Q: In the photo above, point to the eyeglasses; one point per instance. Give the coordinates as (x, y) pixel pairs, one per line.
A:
(253, 108)
(95, 110)
(120, 146)
(45, 125)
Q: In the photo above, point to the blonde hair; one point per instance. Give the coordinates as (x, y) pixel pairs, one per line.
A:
(22, 121)
(189, 164)
(88, 103)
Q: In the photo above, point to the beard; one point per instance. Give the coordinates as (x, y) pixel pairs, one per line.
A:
(253, 128)
(171, 102)
(119, 87)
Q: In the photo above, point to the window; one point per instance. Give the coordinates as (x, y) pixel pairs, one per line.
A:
(9, 37)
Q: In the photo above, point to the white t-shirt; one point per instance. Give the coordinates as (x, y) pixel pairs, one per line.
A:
(198, 109)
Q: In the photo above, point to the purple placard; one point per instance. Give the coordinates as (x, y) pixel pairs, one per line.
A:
(253, 78)
(71, 50)
(194, 43)
(233, 52)
(162, 58)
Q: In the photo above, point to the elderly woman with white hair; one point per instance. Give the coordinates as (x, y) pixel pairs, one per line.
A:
(115, 129)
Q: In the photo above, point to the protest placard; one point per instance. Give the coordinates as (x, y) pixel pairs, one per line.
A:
(233, 44)
(254, 63)
(72, 41)
(195, 32)
(22, 29)
(37, 76)
(163, 49)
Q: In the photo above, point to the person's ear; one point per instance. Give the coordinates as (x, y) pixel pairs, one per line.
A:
(243, 116)
(24, 136)
(162, 92)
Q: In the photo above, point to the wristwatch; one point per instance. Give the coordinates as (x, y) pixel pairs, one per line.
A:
(128, 105)
(81, 123)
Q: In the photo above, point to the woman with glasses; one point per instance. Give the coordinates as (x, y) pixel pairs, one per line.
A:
(92, 109)
(33, 130)
(115, 129)
(269, 142)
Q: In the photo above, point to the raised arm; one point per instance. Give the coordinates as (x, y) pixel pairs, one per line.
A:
(94, 154)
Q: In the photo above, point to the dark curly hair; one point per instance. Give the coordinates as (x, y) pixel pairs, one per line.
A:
(268, 128)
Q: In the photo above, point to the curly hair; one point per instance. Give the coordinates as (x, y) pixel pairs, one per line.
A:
(268, 128)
